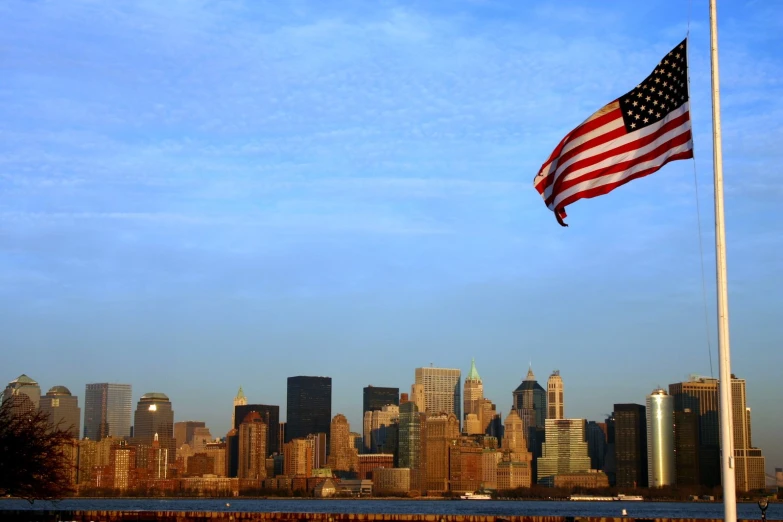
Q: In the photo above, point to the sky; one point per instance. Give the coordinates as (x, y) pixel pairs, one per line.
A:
(198, 195)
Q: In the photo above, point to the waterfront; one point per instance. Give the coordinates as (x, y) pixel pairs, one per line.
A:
(702, 510)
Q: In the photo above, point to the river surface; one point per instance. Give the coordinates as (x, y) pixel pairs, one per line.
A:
(748, 511)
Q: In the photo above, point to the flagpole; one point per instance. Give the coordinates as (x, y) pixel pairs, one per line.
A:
(726, 431)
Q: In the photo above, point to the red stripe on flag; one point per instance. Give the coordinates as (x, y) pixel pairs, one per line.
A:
(564, 181)
(605, 189)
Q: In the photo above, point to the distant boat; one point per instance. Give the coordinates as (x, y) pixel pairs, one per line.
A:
(629, 497)
(590, 498)
(471, 495)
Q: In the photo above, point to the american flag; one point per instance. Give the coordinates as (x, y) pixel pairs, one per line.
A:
(631, 137)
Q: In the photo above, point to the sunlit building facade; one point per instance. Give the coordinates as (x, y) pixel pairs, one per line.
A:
(107, 410)
(155, 417)
(441, 390)
(661, 469)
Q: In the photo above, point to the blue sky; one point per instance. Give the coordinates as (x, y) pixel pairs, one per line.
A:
(200, 195)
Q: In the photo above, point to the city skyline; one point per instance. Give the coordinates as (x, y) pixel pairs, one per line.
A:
(199, 196)
(218, 433)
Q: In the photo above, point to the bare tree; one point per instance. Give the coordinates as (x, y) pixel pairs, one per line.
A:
(34, 457)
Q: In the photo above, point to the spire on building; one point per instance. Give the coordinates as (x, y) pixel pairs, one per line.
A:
(241, 396)
(473, 373)
(530, 376)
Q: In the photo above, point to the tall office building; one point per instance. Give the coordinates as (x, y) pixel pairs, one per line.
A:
(441, 390)
(376, 397)
(596, 444)
(630, 445)
(565, 450)
(610, 460)
(309, 406)
(252, 446)
(270, 413)
(154, 420)
(748, 461)
(410, 443)
(24, 392)
(107, 410)
(342, 455)
(441, 432)
(239, 400)
(530, 402)
(530, 405)
(554, 399)
(514, 440)
(63, 409)
(474, 395)
(700, 396)
(686, 448)
(660, 439)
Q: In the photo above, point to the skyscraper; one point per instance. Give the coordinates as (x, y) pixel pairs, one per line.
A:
(554, 400)
(24, 392)
(749, 463)
(107, 410)
(154, 420)
(700, 396)
(309, 406)
(342, 455)
(410, 443)
(376, 397)
(474, 395)
(530, 402)
(441, 432)
(63, 409)
(530, 405)
(270, 413)
(660, 439)
(441, 390)
(252, 446)
(596, 444)
(514, 440)
(686, 448)
(565, 450)
(630, 445)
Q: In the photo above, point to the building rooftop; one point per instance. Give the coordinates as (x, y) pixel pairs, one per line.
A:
(59, 390)
(154, 396)
(23, 379)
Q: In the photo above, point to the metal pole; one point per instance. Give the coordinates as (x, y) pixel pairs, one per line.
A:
(726, 430)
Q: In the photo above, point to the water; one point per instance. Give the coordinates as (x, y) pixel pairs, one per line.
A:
(749, 511)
